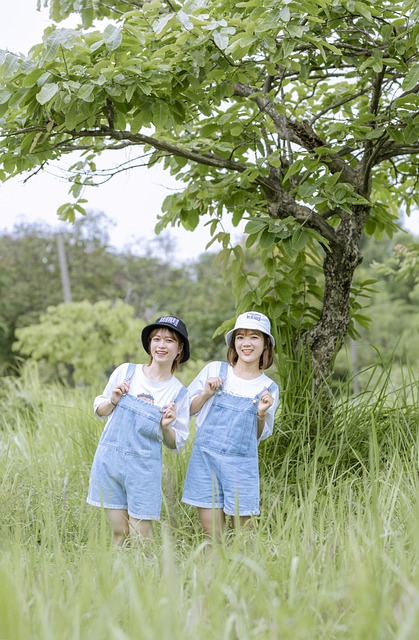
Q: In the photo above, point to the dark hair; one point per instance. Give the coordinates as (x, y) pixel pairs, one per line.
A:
(179, 339)
(266, 358)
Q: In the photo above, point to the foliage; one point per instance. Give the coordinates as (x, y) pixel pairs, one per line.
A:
(300, 118)
(141, 275)
(83, 341)
(402, 264)
(197, 293)
(30, 273)
(347, 500)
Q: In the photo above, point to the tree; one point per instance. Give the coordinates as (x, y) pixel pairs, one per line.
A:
(81, 342)
(300, 117)
(142, 275)
(30, 274)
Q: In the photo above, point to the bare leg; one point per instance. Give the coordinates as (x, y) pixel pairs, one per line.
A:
(213, 522)
(118, 522)
(140, 529)
(241, 521)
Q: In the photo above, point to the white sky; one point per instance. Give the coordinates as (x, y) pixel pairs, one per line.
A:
(132, 199)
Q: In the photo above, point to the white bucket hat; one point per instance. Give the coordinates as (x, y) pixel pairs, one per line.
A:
(252, 320)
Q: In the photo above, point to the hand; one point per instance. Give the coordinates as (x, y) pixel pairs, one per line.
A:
(211, 385)
(119, 391)
(169, 414)
(265, 401)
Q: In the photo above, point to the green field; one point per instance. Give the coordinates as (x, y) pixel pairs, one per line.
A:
(333, 555)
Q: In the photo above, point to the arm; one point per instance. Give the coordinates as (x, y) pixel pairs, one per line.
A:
(169, 434)
(210, 387)
(267, 406)
(106, 407)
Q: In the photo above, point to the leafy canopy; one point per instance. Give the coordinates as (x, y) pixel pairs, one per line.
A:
(301, 117)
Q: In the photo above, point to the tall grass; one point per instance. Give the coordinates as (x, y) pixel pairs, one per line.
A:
(333, 555)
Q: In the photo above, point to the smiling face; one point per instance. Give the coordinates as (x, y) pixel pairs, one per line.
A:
(165, 347)
(249, 344)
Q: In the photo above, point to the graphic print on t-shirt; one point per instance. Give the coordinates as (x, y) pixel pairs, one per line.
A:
(146, 397)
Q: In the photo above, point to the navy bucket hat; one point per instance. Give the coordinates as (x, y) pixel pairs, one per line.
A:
(170, 322)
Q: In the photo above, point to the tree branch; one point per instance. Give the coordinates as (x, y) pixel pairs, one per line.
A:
(301, 133)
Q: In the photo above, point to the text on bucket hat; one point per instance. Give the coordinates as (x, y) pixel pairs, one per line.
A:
(171, 322)
(252, 320)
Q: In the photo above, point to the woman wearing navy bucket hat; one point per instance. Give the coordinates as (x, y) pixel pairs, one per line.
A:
(235, 404)
(144, 406)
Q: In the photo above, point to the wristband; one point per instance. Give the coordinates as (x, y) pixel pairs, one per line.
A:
(261, 415)
(113, 403)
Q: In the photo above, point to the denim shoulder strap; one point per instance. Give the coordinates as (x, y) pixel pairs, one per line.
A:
(272, 387)
(181, 393)
(223, 370)
(130, 371)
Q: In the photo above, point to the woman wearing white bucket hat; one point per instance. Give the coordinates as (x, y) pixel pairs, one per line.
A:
(235, 404)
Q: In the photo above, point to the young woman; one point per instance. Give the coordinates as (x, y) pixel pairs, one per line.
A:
(235, 403)
(144, 405)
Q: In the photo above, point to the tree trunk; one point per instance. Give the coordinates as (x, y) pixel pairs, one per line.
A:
(323, 341)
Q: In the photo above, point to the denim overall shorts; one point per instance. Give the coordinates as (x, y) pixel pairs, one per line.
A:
(223, 470)
(127, 468)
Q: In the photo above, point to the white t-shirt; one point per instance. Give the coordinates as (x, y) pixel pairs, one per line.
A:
(158, 392)
(236, 386)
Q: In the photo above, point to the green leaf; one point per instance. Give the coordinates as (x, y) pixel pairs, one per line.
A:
(86, 93)
(112, 37)
(87, 16)
(52, 45)
(299, 239)
(411, 133)
(31, 79)
(4, 95)
(375, 133)
(161, 114)
(255, 226)
(412, 78)
(285, 14)
(267, 240)
(293, 169)
(160, 24)
(47, 92)
(363, 10)
(71, 118)
(9, 64)
(184, 20)
(66, 212)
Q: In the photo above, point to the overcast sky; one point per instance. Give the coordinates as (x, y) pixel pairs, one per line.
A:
(132, 199)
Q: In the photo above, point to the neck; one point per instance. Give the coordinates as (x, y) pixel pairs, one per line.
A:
(156, 372)
(247, 370)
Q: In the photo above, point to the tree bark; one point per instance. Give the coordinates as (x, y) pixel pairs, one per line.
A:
(323, 341)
